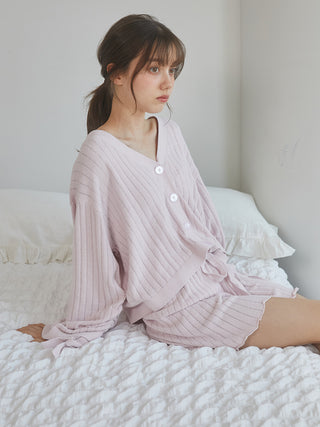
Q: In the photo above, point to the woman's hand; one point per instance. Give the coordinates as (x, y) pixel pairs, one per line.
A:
(35, 330)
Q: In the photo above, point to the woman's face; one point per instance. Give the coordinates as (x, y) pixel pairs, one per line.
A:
(149, 84)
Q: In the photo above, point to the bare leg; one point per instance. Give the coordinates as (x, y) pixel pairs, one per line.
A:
(300, 296)
(287, 321)
(317, 345)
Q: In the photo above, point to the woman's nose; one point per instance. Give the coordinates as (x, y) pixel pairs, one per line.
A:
(167, 81)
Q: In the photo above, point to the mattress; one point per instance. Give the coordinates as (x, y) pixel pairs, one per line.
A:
(126, 378)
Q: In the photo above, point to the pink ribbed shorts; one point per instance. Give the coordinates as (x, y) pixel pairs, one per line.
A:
(206, 313)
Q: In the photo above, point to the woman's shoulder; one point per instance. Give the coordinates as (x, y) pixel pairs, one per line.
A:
(97, 147)
(90, 174)
(168, 123)
(175, 132)
(94, 160)
(98, 137)
(173, 128)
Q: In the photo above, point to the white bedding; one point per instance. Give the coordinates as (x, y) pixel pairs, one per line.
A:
(129, 379)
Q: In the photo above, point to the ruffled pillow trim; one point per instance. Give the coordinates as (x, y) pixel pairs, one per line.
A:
(34, 255)
(272, 247)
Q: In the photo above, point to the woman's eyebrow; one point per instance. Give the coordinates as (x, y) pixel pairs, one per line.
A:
(159, 60)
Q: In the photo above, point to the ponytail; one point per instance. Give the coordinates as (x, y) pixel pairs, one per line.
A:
(100, 105)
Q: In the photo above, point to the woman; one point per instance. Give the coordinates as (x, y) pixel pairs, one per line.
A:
(147, 237)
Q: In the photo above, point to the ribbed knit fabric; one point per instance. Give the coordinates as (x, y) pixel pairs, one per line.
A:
(147, 239)
(209, 313)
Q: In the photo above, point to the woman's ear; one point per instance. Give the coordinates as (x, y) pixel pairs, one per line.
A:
(110, 66)
(117, 79)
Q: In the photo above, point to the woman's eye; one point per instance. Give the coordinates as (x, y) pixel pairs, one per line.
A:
(172, 70)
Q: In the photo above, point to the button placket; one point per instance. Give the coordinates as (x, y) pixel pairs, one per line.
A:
(159, 170)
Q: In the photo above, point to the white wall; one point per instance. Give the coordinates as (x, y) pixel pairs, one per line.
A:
(280, 104)
(48, 53)
(48, 64)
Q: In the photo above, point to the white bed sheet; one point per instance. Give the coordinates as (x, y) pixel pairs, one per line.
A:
(126, 378)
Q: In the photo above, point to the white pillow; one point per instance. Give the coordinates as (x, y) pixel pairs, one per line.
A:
(246, 231)
(35, 226)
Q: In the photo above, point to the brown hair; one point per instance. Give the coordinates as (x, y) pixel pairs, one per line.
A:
(125, 40)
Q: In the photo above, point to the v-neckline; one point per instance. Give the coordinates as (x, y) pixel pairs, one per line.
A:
(124, 147)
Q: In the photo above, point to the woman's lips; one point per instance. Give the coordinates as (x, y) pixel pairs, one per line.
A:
(163, 98)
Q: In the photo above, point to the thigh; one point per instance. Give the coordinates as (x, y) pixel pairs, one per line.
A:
(287, 321)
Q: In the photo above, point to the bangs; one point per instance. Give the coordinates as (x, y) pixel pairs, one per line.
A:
(165, 52)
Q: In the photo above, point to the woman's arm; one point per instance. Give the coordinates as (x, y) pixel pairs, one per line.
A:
(211, 217)
(96, 297)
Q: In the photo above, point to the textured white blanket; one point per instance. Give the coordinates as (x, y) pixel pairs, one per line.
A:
(128, 379)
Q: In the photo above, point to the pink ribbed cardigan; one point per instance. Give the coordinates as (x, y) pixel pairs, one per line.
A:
(142, 228)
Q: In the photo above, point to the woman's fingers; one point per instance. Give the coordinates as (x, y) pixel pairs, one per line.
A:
(35, 330)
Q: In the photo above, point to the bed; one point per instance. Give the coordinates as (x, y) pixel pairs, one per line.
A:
(126, 378)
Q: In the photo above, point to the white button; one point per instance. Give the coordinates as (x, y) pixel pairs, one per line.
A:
(187, 224)
(159, 169)
(173, 197)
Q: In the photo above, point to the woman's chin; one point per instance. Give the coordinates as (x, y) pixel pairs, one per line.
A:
(156, 109)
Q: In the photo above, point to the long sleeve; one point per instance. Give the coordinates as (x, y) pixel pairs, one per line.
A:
(210, 214)
(205, 203)
(96, 297)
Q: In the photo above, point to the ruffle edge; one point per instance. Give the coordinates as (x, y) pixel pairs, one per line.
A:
(273, 247)
(36, 255)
